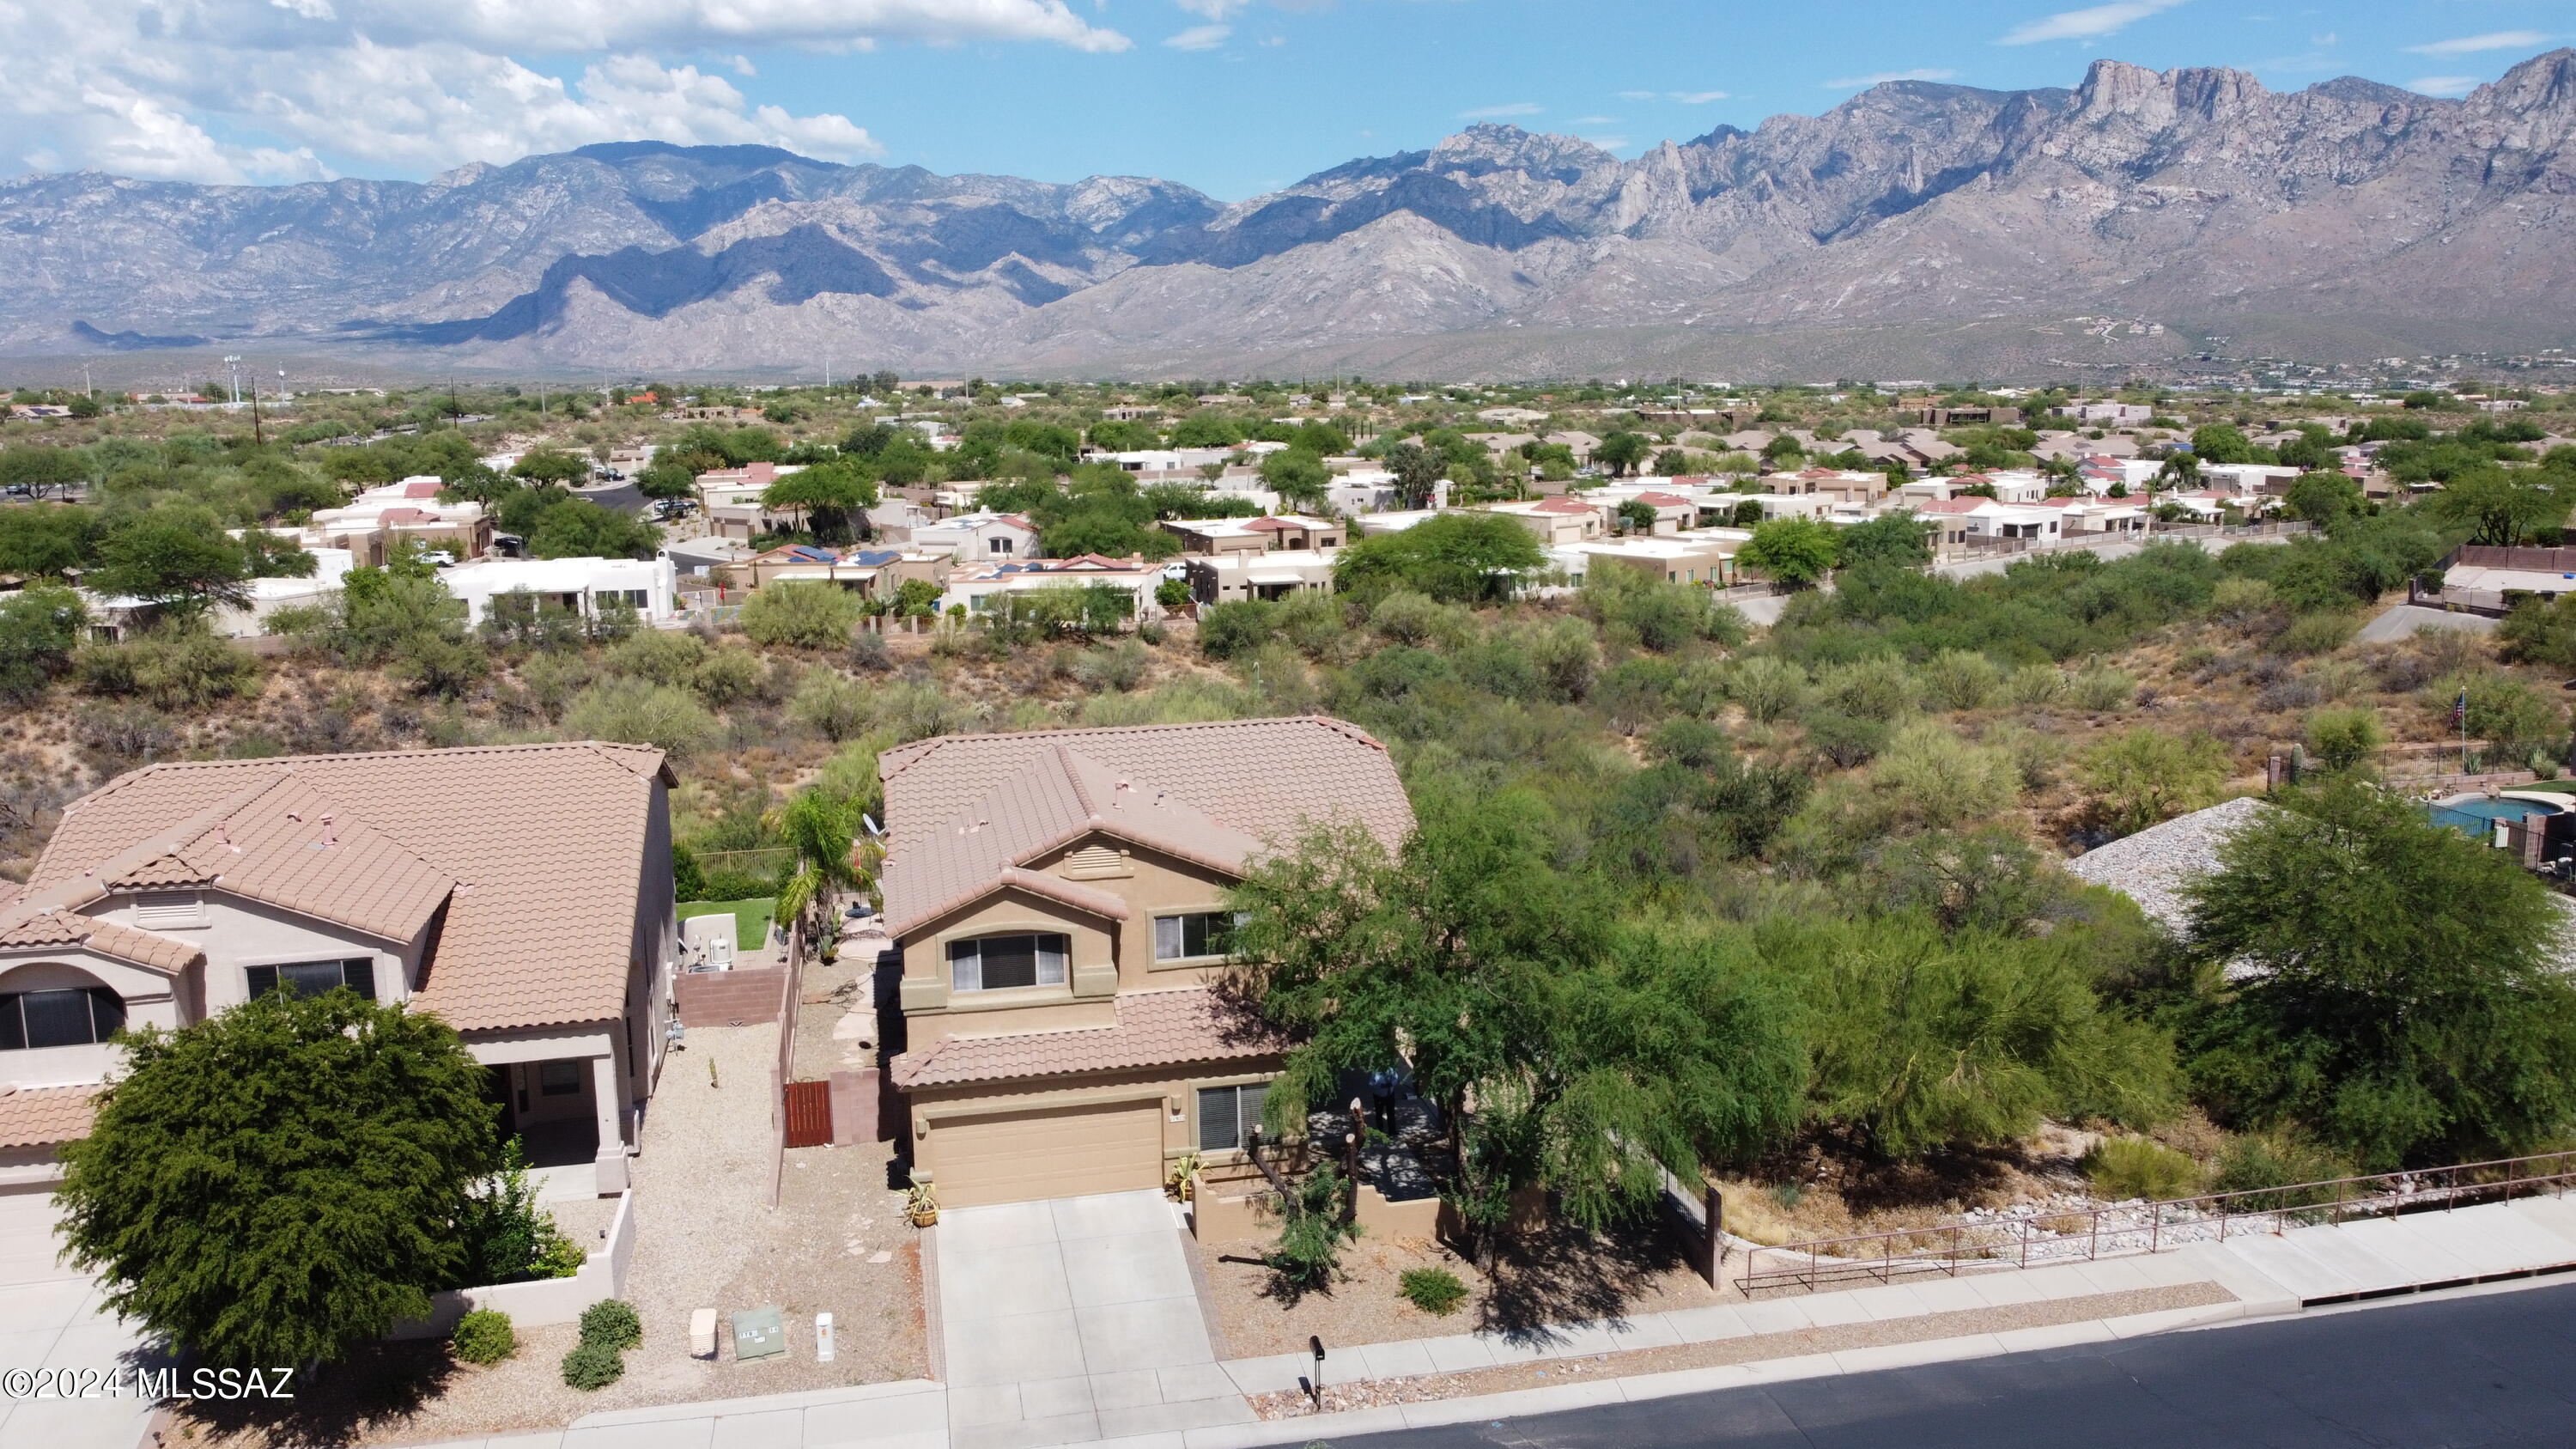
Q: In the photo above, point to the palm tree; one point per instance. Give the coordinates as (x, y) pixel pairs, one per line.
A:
(830, 858)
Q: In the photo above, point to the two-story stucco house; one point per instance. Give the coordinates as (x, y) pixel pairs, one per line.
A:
(522, 893)
(1058, 899)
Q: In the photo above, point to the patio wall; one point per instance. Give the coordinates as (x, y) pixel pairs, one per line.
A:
(724, 998)
(548, 1300)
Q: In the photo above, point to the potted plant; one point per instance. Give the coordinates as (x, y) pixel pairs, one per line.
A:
(1183, 1178)
(921, 1204)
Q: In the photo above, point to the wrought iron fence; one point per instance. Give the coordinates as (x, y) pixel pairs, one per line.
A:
(2081, 1235)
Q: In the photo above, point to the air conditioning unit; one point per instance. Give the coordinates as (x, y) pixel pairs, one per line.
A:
(706, 943)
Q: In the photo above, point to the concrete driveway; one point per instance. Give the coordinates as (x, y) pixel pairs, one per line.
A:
(1074, 1319)
(50, 1319)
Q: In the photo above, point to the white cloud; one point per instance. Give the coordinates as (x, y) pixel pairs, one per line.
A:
(1200, 37)
(1594, 121)
(263, 90)
(2443, 85)
(1218, 10)
(2088, 24)
(1880, 78)
(1489, 113)
(1698, 98)
(1636, 95)
(2493, 40)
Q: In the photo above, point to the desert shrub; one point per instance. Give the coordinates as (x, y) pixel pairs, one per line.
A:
(920, 711)
(801, 615)
(1119, 667)
(1565, 655)
(1407, 617)
(2338, 679)
(831, 704)
(1940, 780)
(2319, 633)
(483, 1336)
(612, 1321)
(2036, 684)
(1633, 692)
(2102, 689)
(1845, 740)
(1311, 1230)
(1435, 1291)
(2287, 693)
(1881, 687)
(509, 1238)
(729, 675)
(1962, 679)
(175, 667)
(1237, 626)
(2342, 738)
(642, 713)
(2242, 603)
(664, 656)
(868, 652)
(2036, 755)
(2501, 709)
(2133, 1167)
(2145, 775)
(593, 1366)
(2253, 1161)
(1765, 688)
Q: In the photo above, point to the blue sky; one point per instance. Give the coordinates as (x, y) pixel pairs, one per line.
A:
(1231, 96)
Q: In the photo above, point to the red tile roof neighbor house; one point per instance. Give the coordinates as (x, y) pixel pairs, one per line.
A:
(1154, 1029)
(532, 851)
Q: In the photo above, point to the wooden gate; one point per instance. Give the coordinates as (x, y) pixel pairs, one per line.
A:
(809, 1114)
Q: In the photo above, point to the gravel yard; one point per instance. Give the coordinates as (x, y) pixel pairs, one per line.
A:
(1873, 1334)
(707, 1239)
(1559, 1276)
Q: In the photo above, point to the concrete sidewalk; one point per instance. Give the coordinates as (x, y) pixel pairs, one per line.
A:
(2269, 1275)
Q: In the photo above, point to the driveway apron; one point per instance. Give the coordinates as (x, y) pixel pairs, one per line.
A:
(1072, 1320)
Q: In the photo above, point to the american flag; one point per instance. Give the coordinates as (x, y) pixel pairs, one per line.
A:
(2460, 711)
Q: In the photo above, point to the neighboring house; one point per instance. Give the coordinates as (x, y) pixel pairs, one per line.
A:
(979, 537)
(2107, 414)
(1059, 901)
(1581, 445)
(980, 590)
(522, 893)
(1556, 521)
(267, 596)
(2089, 516)
(1210, 537)
(1969, 516)
(870, 572)
(1702, 556)
(1226, 577)
(583, 585)
(381, 519)
(1842, 484)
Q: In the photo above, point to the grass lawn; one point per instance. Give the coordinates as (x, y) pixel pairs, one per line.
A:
(751, 919)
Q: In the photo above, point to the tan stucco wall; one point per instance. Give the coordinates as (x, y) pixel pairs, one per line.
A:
(1175, 1088)
(240, 934)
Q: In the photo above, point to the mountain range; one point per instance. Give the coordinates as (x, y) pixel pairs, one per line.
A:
(1916, 227)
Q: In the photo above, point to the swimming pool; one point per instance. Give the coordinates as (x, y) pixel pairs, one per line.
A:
(2476, 815)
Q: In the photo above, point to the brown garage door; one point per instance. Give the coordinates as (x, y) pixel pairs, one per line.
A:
(1048, 1152)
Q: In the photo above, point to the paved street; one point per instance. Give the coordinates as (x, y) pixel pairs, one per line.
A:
(2494, 1368)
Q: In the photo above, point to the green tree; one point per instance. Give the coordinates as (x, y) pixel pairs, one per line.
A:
(47, 540)
(832, 497)
(802, 615)
(551, 465)
(1417, 471)
(1594, 1054)
(579, 528)
(1635, 516)
(2221, 443)
(641, 712)
(1298, 477)
(1466, 557)
(281, 1183)
(2500, 507)
(2324, 499)
(1621, 452)
(1893, 538)
(2145, 775)
(2392, 986)
(2341, 739)
(39, 628)
(1798, 552)
(179, 559)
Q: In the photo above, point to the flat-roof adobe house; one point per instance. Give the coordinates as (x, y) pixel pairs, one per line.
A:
(522, 893)
(1058, 899)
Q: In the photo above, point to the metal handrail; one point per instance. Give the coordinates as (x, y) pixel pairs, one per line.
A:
(2076, 1235)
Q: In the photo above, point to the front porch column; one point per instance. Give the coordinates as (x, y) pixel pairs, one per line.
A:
(608, 1098)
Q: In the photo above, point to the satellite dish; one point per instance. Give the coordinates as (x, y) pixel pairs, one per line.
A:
(870, 821)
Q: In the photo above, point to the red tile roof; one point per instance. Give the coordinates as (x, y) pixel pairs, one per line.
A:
(961, 809)
(22, 929)
(536, 851)
(41, 1116)
(420, 490)
(1154, 1029)
(1968, 504)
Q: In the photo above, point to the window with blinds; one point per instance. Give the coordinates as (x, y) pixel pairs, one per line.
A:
(1197, 934)
(1227, 1115)
(78, 1017)
(312, 978)
(998, 963)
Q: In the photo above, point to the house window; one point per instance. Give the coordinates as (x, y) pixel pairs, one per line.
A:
(1000, 545)
(559, 1079)
(1200, 933)
(998, 963)
(80, 1017)
(1227, 1115)
(312, 978)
